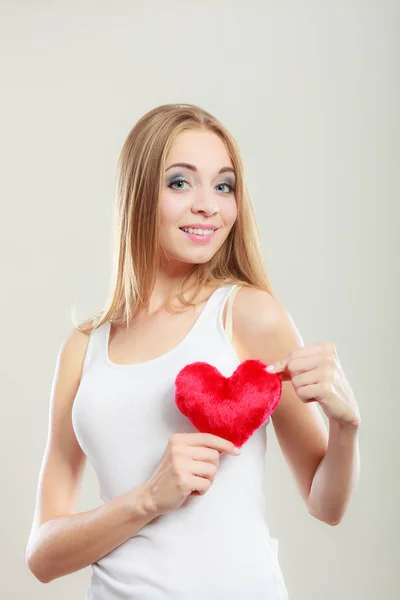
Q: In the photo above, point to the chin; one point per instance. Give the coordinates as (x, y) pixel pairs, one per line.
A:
(199, 259)
(194, 257)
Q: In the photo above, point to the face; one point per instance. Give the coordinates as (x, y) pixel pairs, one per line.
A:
(196, 195)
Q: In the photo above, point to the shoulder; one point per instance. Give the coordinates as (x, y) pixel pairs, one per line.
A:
(256, 308)
(252, 297)
(68, 369)
(263, 325)
(74, 345)
(81, 333)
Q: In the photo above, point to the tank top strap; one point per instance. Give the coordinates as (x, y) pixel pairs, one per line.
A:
(215, 299)
(216, 304)
(95, 344)
(228, 320)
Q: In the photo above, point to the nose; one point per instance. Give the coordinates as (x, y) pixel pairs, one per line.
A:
(205, 203)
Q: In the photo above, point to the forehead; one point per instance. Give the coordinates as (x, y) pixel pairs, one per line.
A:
(204, 149)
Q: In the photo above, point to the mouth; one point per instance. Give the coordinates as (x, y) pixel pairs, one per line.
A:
(200, 238)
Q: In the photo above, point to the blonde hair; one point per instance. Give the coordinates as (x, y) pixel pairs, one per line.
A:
(136, 219)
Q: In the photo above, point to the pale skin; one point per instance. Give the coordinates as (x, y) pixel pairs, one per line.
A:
(325, 466)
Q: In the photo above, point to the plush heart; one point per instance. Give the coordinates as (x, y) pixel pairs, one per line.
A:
(231, 407)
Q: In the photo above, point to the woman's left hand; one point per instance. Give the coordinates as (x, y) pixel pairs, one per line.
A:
(317, 376)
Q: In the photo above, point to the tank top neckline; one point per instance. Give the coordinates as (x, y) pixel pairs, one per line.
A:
(153, 361)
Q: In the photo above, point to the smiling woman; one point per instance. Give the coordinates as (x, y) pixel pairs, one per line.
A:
(185, 243)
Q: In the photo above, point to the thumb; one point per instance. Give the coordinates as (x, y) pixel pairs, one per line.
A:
(278, 366)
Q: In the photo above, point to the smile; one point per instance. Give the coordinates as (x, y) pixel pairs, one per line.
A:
(201, 236)
(197, 231)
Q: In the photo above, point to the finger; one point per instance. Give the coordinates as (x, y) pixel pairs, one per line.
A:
(278, 366)
(300, 353)
(299, 362)
(204, 454)
(202, 469)
(212, 441)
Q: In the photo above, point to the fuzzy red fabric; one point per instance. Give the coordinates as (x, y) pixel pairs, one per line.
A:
(231, 407)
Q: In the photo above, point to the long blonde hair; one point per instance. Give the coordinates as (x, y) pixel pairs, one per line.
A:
(136, 219)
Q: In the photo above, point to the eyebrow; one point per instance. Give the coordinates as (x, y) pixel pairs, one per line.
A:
(193, 168)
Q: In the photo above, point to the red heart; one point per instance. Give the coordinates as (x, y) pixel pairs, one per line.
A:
(231, 407)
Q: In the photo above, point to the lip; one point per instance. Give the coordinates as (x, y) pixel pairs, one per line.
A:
(199, 239)
(201, 226)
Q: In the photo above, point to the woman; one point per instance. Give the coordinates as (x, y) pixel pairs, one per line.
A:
(183, 515)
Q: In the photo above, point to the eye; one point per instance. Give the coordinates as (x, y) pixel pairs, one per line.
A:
(183, 180)
(175, 181)
(231, 188)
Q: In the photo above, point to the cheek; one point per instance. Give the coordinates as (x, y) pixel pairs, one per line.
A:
(172, 209)
(229, 213)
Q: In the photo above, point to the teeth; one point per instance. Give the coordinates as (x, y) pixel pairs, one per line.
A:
(198, 231)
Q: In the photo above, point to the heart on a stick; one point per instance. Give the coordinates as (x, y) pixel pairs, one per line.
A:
(231, 407)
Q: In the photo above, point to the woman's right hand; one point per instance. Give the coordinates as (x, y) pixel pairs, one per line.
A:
(189, 464)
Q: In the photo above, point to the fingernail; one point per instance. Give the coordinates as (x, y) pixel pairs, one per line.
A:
(236, 450)
(271, 368)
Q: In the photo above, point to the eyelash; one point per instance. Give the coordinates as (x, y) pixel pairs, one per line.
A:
(183, 180)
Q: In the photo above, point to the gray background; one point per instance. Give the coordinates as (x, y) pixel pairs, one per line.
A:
(310, 90)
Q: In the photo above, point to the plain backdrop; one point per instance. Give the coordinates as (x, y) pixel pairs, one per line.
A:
(310, 90)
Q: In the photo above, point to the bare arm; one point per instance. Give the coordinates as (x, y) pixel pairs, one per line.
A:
(325, 465)
(337, 475)
(69, 543)
(63, 541)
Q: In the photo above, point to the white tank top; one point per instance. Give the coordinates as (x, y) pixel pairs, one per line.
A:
(214, 547)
